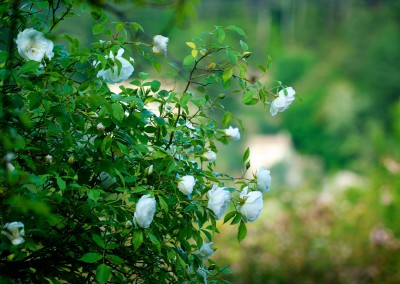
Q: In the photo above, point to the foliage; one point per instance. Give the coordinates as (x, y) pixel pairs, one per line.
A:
(78, 159)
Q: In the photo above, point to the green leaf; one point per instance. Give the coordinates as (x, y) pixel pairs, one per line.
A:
(247, 98)
(262, 68)
(226, 120)
(93, 194)
(242, 232)
(163, 204)
(188, 60)
(237, 219)
(30, 67)
(143, 75)
(103, 273)
(91, 257)
(61, 183)
(97, 28)
(155, 241)
(191, 44)
(229, 216)
(137, 239)
(98, 240)
(119, 27)
(220, 35)
(246, 155)
(115, 259)
(228, 72)
(118, 111)
(236, 29)
(244, 45)
(155, 86)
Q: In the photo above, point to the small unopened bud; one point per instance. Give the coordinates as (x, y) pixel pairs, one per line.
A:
(100, 127)
(93, 115)
(71, 160)
(149, 170)
(128, 224)
(49, 159)
(221, 96)
(10, 167)
(211, 65)
(246, 54)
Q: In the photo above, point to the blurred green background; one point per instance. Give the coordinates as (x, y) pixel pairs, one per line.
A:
(333, 213)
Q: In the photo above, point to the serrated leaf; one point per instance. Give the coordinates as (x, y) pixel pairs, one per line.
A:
(226, 120)
(91, 257)
(137, 239)
(228, 72)
(191, 44)
(242, 232)
(103, 273)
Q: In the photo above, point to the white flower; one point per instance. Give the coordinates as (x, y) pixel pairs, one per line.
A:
(49, 159)
(251, 206)
(189, 125)
(149, 170)
(210, 156)
(186, 184)
(218, 200)
(232, 133)
(282, 102)
(263, 179)
(8, 157)
(113, 75)
(32, 45)
(160, 44)
(205, 251)
(15, 232)
(145, 210)
(100, 127)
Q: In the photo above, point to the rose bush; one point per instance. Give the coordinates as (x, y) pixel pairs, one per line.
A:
(118, 186)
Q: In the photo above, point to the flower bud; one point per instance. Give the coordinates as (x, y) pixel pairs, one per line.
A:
(232, 133)
(100, 127)
(246, 54)
(263, 179)
(71, 160)
(48, 159)
(210, 156)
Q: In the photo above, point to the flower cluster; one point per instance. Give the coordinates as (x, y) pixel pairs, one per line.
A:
(14, 232)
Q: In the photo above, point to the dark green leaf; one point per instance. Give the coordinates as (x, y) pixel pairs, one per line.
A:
(91, 257)
(246, 155)
(242, 232)
(229, 216)
(103, 273)
(137, 239)
(155, 241)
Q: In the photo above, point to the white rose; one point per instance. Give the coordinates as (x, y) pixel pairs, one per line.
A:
(145, 210)
(15, 232)
(205, 251)
(282, 102)
(32, 45)
(218, 200)
(251, 204)
(263, 179)
(113, 75)
(100, 127)
(210, 156)
(160, 44)
(186, 184)
(232, 133)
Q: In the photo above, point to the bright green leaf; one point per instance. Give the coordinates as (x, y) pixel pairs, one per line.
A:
(118, 111)
(97, 28)
(226, 120)
(242, 232)
(228, 72)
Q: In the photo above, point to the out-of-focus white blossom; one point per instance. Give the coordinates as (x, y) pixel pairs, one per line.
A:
(210, 156)
(49, 159)
(283, 101)
(32, 45)
(263, 179)
(100, 127)
(232, 133)
(160, 44)
(14, 232)
(205, 251)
